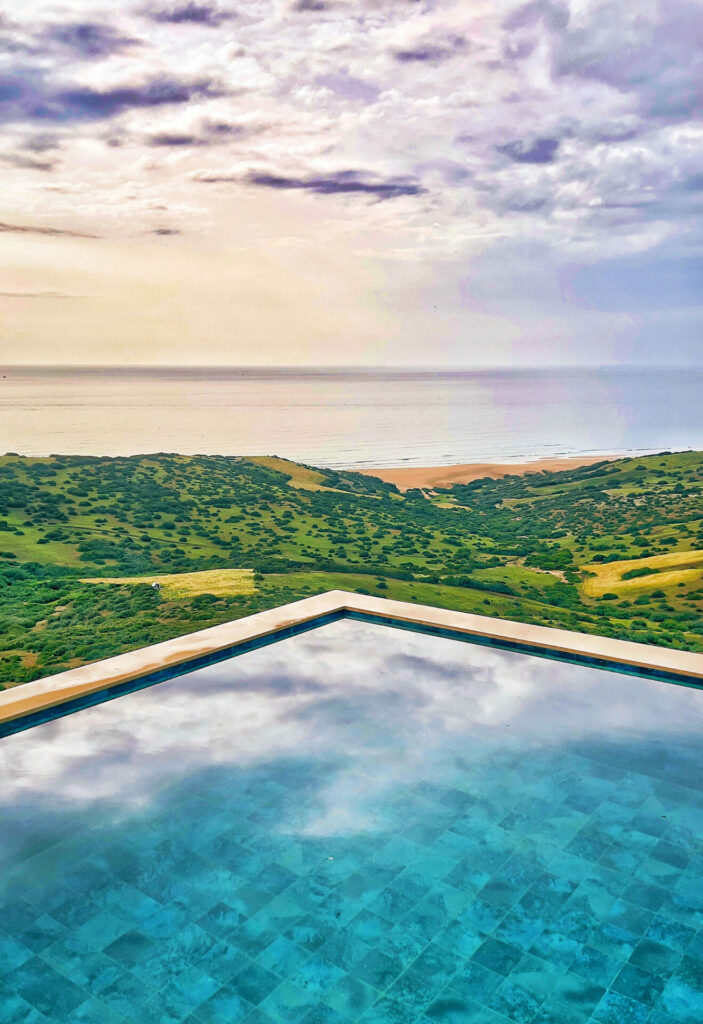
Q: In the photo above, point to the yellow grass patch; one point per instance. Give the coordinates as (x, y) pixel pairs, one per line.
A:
(220, 582)
(304, 479)
(675, 567)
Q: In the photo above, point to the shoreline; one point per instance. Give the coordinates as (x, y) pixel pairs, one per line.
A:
(429, 477)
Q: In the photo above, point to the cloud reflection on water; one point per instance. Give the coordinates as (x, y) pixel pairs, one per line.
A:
(383, 706)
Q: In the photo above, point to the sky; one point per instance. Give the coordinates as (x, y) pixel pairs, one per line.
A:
(351, 182)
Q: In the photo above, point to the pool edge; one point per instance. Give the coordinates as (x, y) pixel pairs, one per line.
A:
(102, 680)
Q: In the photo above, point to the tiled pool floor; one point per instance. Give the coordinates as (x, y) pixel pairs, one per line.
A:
(359, 825)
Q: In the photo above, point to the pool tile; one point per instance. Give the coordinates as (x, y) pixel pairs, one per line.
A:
(43, 988)
(613, 940)
(387, 1010)
(650, 897)
(92, 972)
(125, 994)
(131, 948)
(696, 947)
(519, 928)
(16, 1010)
(475, 983)
(671, 932)
(223, 961)
(685, 906)
(191, 942)
(438, 963)
(655, 957)
(615, 1008)
(316, 975)
(377, 969)
(481, 915)
(257, 1016)
(595, 965)
(287, 1003)
(224, 1007)
(515, 1002)
(194, 986)
(43, 931)
(283, 956)
(535, 975)
(172, 1006)
(100, 931)
(12, 953)
(661, 1017)
(72, 912)
(557, 1015)
(638, 984)
(670, 853)
(308, 933)
(275, 878)
(512, 887)
(221, 920)
(255, 982)
(397, 942)
(498, 956)
(391, 904)
(351, 997)
(93, 1011)
(449, 1008)
(683, 993)
(323, 1015)
(575, 993)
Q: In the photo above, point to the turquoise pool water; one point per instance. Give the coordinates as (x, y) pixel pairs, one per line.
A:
(359, 824)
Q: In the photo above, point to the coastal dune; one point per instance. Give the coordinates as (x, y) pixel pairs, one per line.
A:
(430, 477)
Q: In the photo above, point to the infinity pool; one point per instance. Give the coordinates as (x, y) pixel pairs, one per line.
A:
(359, 824)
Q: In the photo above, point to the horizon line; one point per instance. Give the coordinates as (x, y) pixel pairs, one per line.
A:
(346, 367)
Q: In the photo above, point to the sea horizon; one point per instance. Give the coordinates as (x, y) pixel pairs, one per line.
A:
(351, 417)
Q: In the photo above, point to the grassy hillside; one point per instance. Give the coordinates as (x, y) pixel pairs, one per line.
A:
(615, 549)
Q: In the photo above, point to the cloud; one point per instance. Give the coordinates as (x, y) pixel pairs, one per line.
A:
(645, 50)
(341, 182)
(694, 183)
(39, 295)
(576, 123)
(26, 96)
(539, 151)
(174, 139)
(554, 15)
(338, 706)
(191, 13)
(37, 229)
(432, 52)
(209, 133)
(311, 6)
(351, 88)
(44, 142)
(87, 103)
(27, 163)
(88, 39)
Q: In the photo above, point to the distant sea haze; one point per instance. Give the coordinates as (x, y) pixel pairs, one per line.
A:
(351, 417)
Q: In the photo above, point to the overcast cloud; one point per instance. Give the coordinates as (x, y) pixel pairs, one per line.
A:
(428, 147)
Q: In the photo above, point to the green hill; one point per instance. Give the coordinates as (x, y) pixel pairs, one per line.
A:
(514, 547)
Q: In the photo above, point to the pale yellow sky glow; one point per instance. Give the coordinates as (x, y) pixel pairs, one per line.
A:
(366, 182)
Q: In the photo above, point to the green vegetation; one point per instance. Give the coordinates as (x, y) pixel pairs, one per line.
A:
(628, 576)
(633, 574)
(614, 549)
(218, 582)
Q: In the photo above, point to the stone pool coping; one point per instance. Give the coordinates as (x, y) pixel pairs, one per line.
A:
(265, 627)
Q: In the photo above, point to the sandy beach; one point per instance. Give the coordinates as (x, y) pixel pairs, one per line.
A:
(429, 477)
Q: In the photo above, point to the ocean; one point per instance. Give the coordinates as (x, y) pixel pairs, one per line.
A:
(351, 417)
